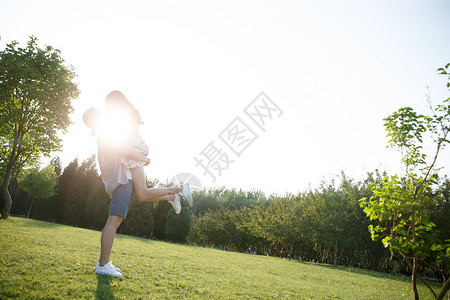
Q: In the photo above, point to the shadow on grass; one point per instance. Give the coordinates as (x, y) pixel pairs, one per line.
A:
(104, 290)
(377, 274)
(28, 222)
(365, 272)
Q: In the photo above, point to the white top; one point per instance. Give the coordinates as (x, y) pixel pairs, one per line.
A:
(128, 173)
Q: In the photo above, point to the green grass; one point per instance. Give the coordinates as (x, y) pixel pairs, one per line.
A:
(40, 260)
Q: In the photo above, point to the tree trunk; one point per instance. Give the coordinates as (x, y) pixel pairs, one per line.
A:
(444, 290)
(280, 252)
(417, 275)
(291, 249)
(31, 206)
(414, 279)
(6, 195)
(414, 268)
(8, 174)
(336, 253)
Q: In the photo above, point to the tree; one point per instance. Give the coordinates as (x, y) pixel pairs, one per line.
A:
(57, 164)
(40, 184)
(214, 228)
(279, 224)
(177, 226)
(81, 184)
(401, 204)
(97, 206)
(139, 221)
(62, 189)
(36, 91)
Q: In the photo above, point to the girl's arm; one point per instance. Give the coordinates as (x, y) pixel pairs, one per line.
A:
(125, 150)
(133, 154)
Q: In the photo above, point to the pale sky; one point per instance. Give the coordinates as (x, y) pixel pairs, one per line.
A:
(334, 69)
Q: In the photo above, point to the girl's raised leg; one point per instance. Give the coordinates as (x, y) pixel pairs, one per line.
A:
(144, 194)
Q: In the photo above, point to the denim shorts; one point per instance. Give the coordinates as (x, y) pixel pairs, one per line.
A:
(121, 200)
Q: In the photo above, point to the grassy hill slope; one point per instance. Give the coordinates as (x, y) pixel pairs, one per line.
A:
(51, 261)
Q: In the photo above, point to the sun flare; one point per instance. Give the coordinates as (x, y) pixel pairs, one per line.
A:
(115, 127)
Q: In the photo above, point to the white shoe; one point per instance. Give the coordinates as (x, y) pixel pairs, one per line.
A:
(110, 262)
(176, 204)
(108, 269)
(186, 194)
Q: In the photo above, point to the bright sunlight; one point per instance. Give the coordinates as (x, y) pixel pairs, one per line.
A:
(114, 132)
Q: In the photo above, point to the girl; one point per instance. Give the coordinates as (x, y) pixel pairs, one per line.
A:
(120, 126)
(130, 119)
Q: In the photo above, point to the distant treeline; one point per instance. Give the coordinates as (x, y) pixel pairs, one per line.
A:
(324, 225)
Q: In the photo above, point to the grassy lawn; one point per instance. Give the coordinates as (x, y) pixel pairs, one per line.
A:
(51, 261)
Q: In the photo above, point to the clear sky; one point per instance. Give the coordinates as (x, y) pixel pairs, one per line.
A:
(334, 70)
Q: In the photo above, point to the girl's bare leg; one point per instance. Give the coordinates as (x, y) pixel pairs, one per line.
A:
(143, 194)
(165, 198)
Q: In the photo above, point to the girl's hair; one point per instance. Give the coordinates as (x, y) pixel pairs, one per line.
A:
(118, 100)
